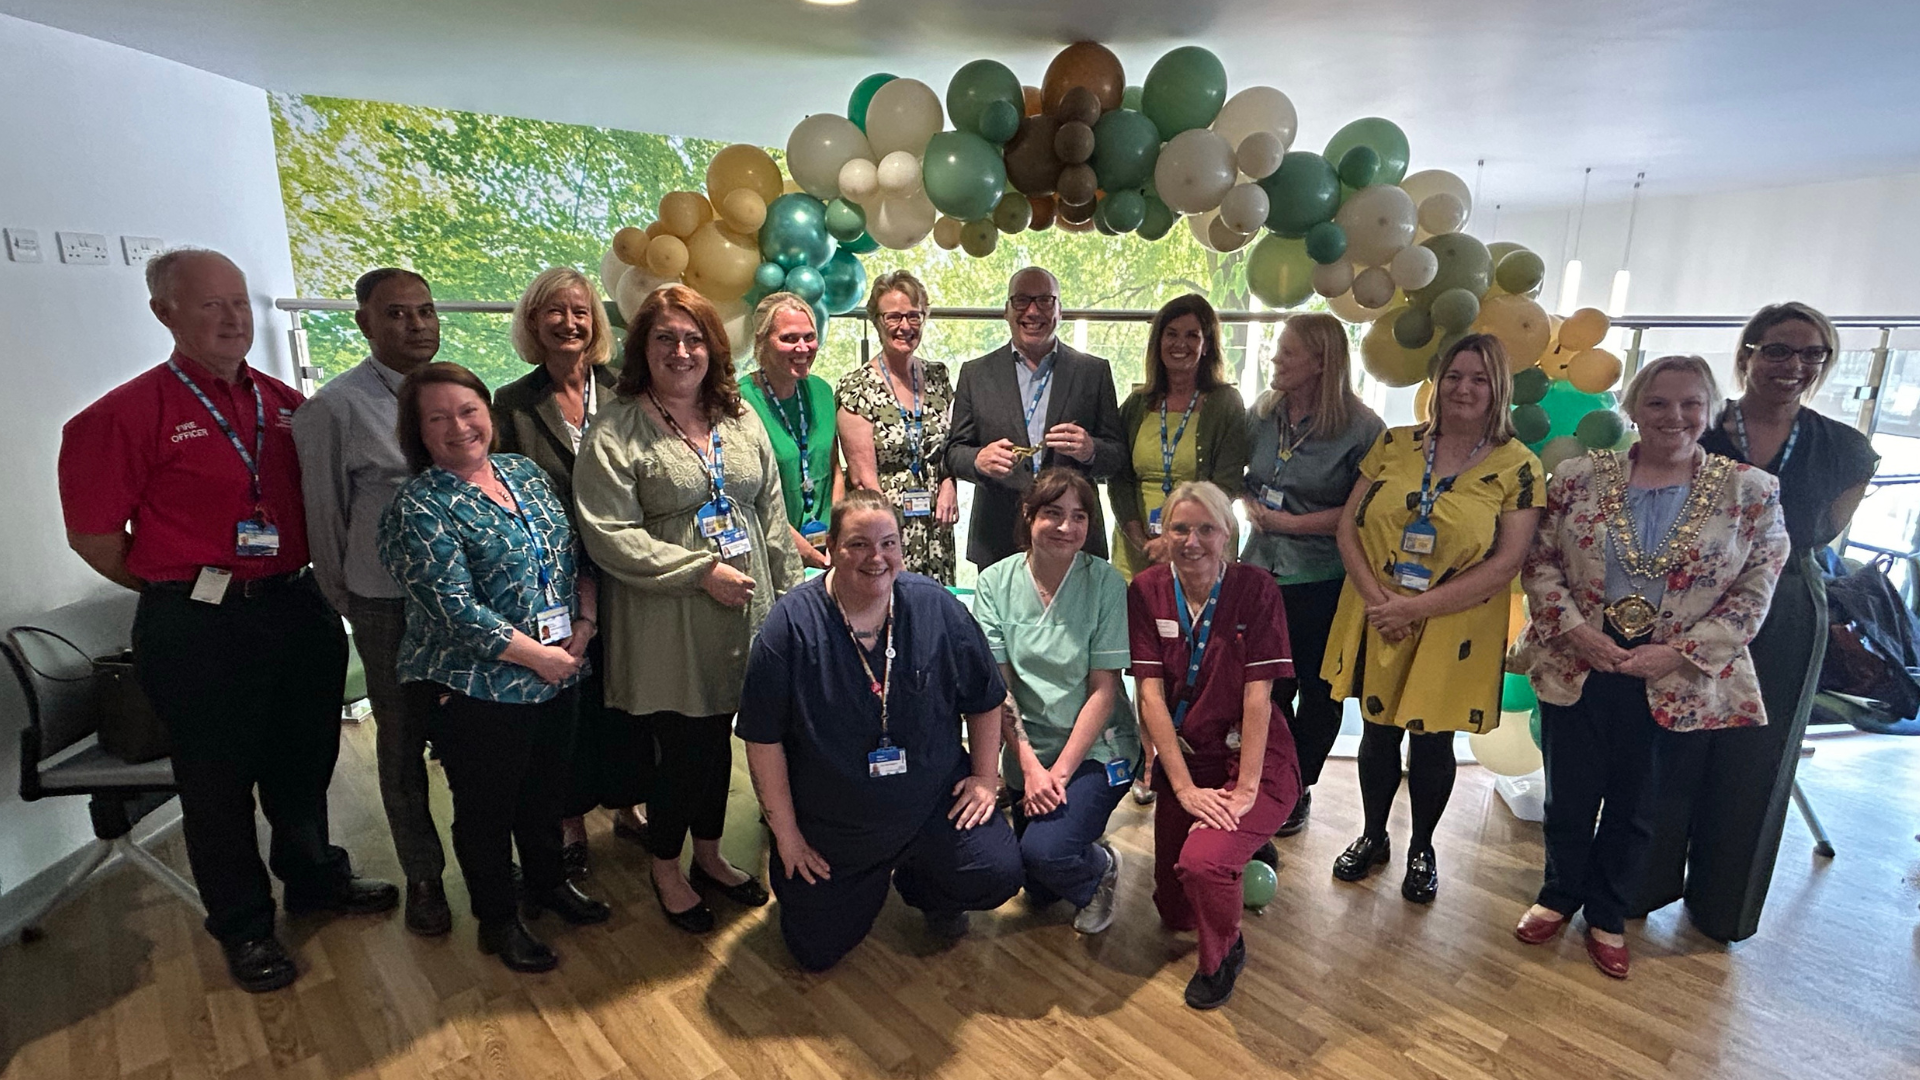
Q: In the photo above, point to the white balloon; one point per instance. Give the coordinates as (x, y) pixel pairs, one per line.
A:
(859, 180)
(1373, 288)
(1333, 279)
(1507, 750)
(610, 270)
(1244, 209)
(1257, 108)
(903, 115)
(1260, 155)
(902, 222)
(1427, 183)
(817, 149)
(1414, 268)
(633, 288)
(1195, 171)
(1378, 221)
(898, 174)
(1442, 213)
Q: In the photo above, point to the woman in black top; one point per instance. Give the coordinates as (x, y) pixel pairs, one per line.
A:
(1723, 795)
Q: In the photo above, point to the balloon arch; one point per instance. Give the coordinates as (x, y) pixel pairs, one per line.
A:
(1083, 152)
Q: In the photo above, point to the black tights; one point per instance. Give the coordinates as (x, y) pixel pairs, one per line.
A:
(1430, 769)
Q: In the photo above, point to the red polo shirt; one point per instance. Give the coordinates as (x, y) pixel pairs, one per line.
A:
(151, 454)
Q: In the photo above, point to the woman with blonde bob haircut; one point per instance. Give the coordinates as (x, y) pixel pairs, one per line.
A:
(1307, 434)
(797, 410)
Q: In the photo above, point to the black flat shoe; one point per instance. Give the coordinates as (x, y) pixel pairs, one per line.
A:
(1423, 878)
(1211, 991)
(1297, 820)
(1360, 858)
(427, 912)
(697, 919)
(567, 901)
(749, 893)
(260, 965)
(348, 896)
(574, 857)
(516, 946)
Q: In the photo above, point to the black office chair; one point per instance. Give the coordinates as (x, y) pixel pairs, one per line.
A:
(59, 754)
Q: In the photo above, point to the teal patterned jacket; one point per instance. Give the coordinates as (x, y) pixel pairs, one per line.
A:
(471, 578)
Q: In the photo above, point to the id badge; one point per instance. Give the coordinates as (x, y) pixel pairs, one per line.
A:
(255, 538)
(1153, 522)
(1419, 537)
(887, 761)
(1413, 576)
(734, 543)
(917, 503)
(1270, 497)
(553, 624)
(211, 586)
(714, 518)
(813, 529)
(1119, 772)
(1233, 739)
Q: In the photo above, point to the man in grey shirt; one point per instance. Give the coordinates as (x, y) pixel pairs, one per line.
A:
(350, 466)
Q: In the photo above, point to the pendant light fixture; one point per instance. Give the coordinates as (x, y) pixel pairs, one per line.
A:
(1623, 277)
(1570, 277)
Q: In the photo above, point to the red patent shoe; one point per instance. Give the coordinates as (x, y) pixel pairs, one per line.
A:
(1610, 959)
(1535, 930)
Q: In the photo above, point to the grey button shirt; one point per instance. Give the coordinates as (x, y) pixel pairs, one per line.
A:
(350, 466)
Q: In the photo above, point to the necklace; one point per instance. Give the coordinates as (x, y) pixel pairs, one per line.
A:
(1634, 615)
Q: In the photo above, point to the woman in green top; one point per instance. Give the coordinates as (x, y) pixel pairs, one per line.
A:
(1056, 620)
(1186, 423)
(798, 412)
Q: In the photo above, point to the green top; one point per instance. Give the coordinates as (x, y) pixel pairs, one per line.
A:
(783, 421)
(1052, 648)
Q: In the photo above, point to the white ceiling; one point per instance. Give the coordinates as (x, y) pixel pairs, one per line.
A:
(1702, 94)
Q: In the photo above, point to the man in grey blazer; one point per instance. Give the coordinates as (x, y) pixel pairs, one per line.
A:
(1037, 393)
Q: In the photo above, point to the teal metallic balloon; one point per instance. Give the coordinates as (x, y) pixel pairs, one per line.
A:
(1326, 242)
(795, 233)
(846, 282)
(1303, 192)
(1530, 386)
(1359, 166)
(1383, 137)
(1184, 90)
(1124, 210)
(964, 175)
(975, 87)
(821, 319)
(845, 219)
(1530, 424)
(1258, 885)
(863, 97)
(1125, 147)
(806, 283)
(1158, 220)
(861, 245)
(1130, 98)
(769, 277)
(1000, 122)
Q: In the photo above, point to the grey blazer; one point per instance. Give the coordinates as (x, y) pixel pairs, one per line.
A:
(987, 408)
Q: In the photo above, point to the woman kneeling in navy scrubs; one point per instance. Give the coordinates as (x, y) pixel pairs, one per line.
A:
(854, 693)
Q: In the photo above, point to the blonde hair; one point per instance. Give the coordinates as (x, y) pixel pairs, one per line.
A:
(1642, 379)
(763, 314)
(1215, 502)
(900, 281)
(1334, 400)
(1773, 315)
(540, 292)
(1493, 356)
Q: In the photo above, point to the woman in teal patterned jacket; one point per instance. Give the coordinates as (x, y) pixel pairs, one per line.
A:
(498, 619)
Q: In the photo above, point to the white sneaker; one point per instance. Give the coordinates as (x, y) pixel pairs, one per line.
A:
(1098, 914)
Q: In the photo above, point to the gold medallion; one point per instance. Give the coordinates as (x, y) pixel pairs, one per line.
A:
(1633, 616)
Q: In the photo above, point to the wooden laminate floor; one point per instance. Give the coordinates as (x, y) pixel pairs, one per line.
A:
(1344, 980)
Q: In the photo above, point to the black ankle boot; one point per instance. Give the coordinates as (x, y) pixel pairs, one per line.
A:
(516, 946)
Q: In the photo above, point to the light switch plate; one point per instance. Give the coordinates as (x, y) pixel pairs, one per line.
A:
(82, 248)
(140, 250)
(23, 245)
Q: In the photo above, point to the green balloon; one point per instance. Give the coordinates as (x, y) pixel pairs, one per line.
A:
(1280, 272)
(1464, 264)
(1516, 694)
(1258, 885)
(845, 219)
(1013, 213)
(1455, 309)
(1303, 192)
(1558, 450)
(795, 233)
(964, 175)
(806, 283)
(1158, 219)
(1383, 137)
(861, 245)
(1500, 249)
(1359, 166)
(768, 277)
(1100, 224)
(1130, 98)
(1529, 387)
(1327, 243)
(1414, 328)
(1184, 90)
(1530, 423)
(1566, 407)
(846, 281)
(1000, 122)
(821, 317)
(1600, 429)
(1123, 210)
(863, 97)
(1519, 272)
(1125, 147)
(978, 85)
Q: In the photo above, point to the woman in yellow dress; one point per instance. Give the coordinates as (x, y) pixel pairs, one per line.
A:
(1432, 539)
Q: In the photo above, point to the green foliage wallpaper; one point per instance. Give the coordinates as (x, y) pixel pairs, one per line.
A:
(479, 204)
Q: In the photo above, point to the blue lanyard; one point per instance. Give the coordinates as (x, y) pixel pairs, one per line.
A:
(1167, 448)
(716, 468)
(799, 437)
(1746, 448)
(1428, 496)
(251, 460)
(1196, 638)
(914, 422)
(533, 535)
(1042, 376)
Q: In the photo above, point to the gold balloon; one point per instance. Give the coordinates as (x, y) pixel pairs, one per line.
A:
(658, 228)
(1584, 329)
(719, 266)
(1593, 371)
(684, 212)
(667, 257)
(743, 166)
(630, 245)
(743, 210)
(946, 232)
(1386, 359)
(1554, 362)
(1521, 326)
(1423, 401)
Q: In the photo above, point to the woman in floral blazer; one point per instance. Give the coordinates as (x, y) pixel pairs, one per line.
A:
(1650, 574)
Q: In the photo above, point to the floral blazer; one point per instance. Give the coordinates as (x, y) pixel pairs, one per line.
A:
(1716, 596)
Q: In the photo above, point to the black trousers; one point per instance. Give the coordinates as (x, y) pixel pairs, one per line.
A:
(250, 690)
(690, 788)
(1599, 754)
(507, 768)
(613, 752)
(1316, 719)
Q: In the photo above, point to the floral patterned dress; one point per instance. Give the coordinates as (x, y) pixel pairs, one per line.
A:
(928, 545)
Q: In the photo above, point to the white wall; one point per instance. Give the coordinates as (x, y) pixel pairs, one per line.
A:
(100, 138)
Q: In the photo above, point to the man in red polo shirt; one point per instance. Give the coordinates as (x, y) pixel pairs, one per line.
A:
(182, 484)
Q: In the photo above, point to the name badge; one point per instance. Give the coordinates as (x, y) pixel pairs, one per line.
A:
(1167, 628)
(917, 503)
(813, 529)
(1413, 576)
(1233, 739)
(887, 761)
(255, 538)
(553, 624)
(734, 543)
(1153, 522)
(1119, 772)
(211, 586)
(1419, 537)
(714, 518)
(1270, 497)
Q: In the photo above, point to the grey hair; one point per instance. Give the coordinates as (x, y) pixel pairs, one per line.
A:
(163, 269)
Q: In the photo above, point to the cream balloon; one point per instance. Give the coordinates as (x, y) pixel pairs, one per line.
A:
(1244, 208)
(903, 222)
(737, 320)
(1373, 287)
(1351, 310)
(632, 289)
(1507, 750)
(1195, 171)
(817, 149)
(1378, 221)
(611, 267)
(859, 181)
(1201, 225)
(1333, 279)
(1224, 238)
(898, 174)
(903, 115)
(1442, 213)
(1260, 155)
(1427, 183)
(946, 232)
(1414, 268)
(1257, 108)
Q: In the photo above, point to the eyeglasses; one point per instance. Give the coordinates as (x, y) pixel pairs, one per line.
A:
(897, 319)
(1774, 352)
(1023, 301)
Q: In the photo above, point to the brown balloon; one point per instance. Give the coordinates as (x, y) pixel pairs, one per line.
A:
(1042, 211)
(1073, 214)
(1032, 101)
(1032, 166)
(1077, 186)
(1088, 64)
(1075, 226)
(1078, 106)
(1073, 143)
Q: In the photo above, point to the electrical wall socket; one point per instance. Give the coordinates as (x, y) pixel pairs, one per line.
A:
(140, 250)
(23, 245)
(82, 248)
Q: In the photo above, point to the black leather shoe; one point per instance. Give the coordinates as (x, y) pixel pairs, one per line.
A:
(1297, 820)
(567, 901)
(574, 858)
(516, 946)
(1361, 857)
(1423, 878)
(427, 911)
(348, 896)
(697, 919)
(749, 893)
(1214, 990)
(260, 965)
